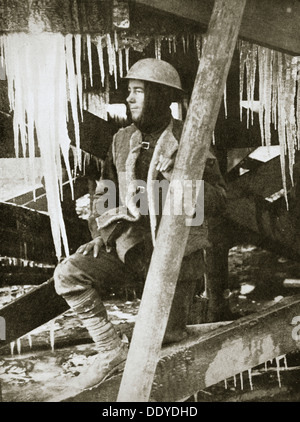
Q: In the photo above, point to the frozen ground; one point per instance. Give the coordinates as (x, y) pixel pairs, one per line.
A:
(41, 364)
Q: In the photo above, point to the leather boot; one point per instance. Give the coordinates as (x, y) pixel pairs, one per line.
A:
(112, 352)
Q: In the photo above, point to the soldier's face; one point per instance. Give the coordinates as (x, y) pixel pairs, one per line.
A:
(136, 98)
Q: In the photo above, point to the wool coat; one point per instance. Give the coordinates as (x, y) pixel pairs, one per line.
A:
(122, 224)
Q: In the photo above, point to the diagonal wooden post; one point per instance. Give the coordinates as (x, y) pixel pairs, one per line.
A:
(173, 232)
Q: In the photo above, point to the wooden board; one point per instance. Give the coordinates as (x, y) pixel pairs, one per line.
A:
(204, 360)
(31, 310)
(274, 23)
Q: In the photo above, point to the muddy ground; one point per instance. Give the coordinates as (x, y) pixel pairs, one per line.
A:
(39, 366)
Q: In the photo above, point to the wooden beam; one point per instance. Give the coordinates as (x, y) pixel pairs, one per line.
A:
(204, 360)
(173, 230)
(31, 310)
(273, 23)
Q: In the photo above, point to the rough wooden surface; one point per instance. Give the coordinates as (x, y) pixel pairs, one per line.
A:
(274, 23)
(203, 360)
(65, 16)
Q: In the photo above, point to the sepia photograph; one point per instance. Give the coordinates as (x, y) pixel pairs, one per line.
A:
(149, 203)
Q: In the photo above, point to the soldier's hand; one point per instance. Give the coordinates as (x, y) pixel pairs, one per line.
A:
(94, 245)
(164, 163)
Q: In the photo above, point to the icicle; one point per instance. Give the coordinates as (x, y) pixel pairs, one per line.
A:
(234, 380)
(242, 76)
(213, 138)
(2, 51)
(38, 95)
(72, 84)
(89, 51)
(100, 58)
(281, 122)
(298, 105)
(225, 384)
(285, 362)
(174, 44)
(278, 371)
(29, 341)
(251, 74)
(250, 378)
(127, 58)
(195, 397)
(291, 129)
(110, 54)
(274, 89)
(225, 100)
(12, 347)
(157, 41)
(78, 70)
(170, 44)
(183, 44)
(266, 366)
(120, 54)
(115, 68)
(116, 43)
(242, 381)
(198, 46)
(52, 336)
(19, 347)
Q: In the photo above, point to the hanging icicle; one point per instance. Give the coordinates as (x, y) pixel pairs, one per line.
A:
(248, 61)
(19, 346)
(120, 56)
(242, 381)
(198, 40)
(278, 371)
(127, 58)
(157, 43)
(234, 381)
(183, 44)
(225, 100)
(40, 74)
(29, 340)
(52, 335)
(89, 53)
(110, 53)
(115, 68)
(250, 378)
(78, 71)
(279, 99)
(100, 58)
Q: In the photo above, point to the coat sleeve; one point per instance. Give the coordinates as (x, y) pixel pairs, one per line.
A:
(109, 173)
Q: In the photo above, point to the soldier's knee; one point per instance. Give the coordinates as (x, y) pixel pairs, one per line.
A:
(61, 276)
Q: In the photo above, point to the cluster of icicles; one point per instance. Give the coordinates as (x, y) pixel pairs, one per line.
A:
(279, 98)
(238, 380)
(44, 75)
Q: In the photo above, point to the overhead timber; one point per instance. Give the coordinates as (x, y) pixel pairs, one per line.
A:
(273, 23)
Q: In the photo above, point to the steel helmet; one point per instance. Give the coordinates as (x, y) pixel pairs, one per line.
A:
(154, 70)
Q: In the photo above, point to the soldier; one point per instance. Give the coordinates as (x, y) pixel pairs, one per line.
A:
(122, 235)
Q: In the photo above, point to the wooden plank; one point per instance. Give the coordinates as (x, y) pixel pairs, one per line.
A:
(204, 360)
(173, 230)
(274, 23)
(31, 310)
